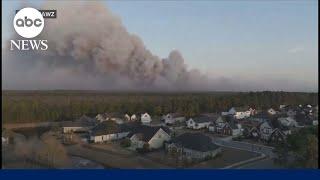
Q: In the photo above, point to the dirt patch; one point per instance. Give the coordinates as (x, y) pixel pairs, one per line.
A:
(113, 148)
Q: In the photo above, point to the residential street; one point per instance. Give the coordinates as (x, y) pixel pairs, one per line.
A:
(258, 164)
(267, 150)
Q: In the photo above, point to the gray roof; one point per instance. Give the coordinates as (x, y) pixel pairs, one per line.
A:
(85, 118)
(176, 115)
(147, 132)
(195, 141)
(78, 124)
(110, 127)
(202, 119)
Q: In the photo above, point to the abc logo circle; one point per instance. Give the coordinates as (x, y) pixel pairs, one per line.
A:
(28, 22)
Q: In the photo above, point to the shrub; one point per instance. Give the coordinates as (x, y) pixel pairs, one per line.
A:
(125, 143)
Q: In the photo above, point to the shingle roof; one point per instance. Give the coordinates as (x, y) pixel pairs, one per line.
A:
(145, 133)
(211, 115)
(110, 127)
(195, 141)
(175, 115)
(202, 119)
(85, 118)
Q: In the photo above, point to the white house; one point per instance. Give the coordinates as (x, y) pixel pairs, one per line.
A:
(252, 111)
(271, 111)
(84, 123)
(199, 122)
(219, 125)
(111, 116)
(282, 106)
(4, 140)
(172, 118)
(133, 117)
(232, 111)
(288, 121)
(212, 127)
(236, 129)
(108, 131)
(265, 130)
(145, 118)
(127, 117)
(154, 137)
(315, 122)
(101, 117)
(242, 115)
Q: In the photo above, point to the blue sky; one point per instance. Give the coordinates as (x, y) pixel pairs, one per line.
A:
(230, 38)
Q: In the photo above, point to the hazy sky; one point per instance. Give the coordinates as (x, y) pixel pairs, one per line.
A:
(236, 39)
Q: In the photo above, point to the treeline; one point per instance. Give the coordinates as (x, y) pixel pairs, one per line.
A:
(300, 149)
(43, 106)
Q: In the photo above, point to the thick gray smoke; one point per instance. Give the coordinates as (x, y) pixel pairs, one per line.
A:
(88, 43)
(89, 48)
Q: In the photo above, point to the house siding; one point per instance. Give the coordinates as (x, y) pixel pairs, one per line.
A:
(190, 154)
(108, 137)
(158, 139)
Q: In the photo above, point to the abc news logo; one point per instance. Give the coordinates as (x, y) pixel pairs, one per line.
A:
(29, 23)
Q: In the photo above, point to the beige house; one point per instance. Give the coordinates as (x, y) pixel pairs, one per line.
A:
(154, 137)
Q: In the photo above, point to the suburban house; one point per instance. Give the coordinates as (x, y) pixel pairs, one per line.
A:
(109, 130)
(260, 117)
(220, 123)
(232, 111)
(288, 121)
(266, 130)
(303, 119)
(193, 147)
(212, 127)
(145, 118)
(101, 117)
(282, 106)
(118, 118)
(133, 117)
(83, 124)
(254, 132)
(221, 126)
(236, 129)
(173, 118)
(199, 122)
(272, 112)
(127, 117)
(250, 128)
(152, 136)
(291, 112)
(240, 112)
(315, 122)
(277, 135)
(5, 137)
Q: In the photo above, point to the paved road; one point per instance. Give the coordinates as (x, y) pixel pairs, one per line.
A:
(265, 163)
(267, 150)
(262, 164)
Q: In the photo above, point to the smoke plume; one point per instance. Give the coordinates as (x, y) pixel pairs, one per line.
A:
(89, 48)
